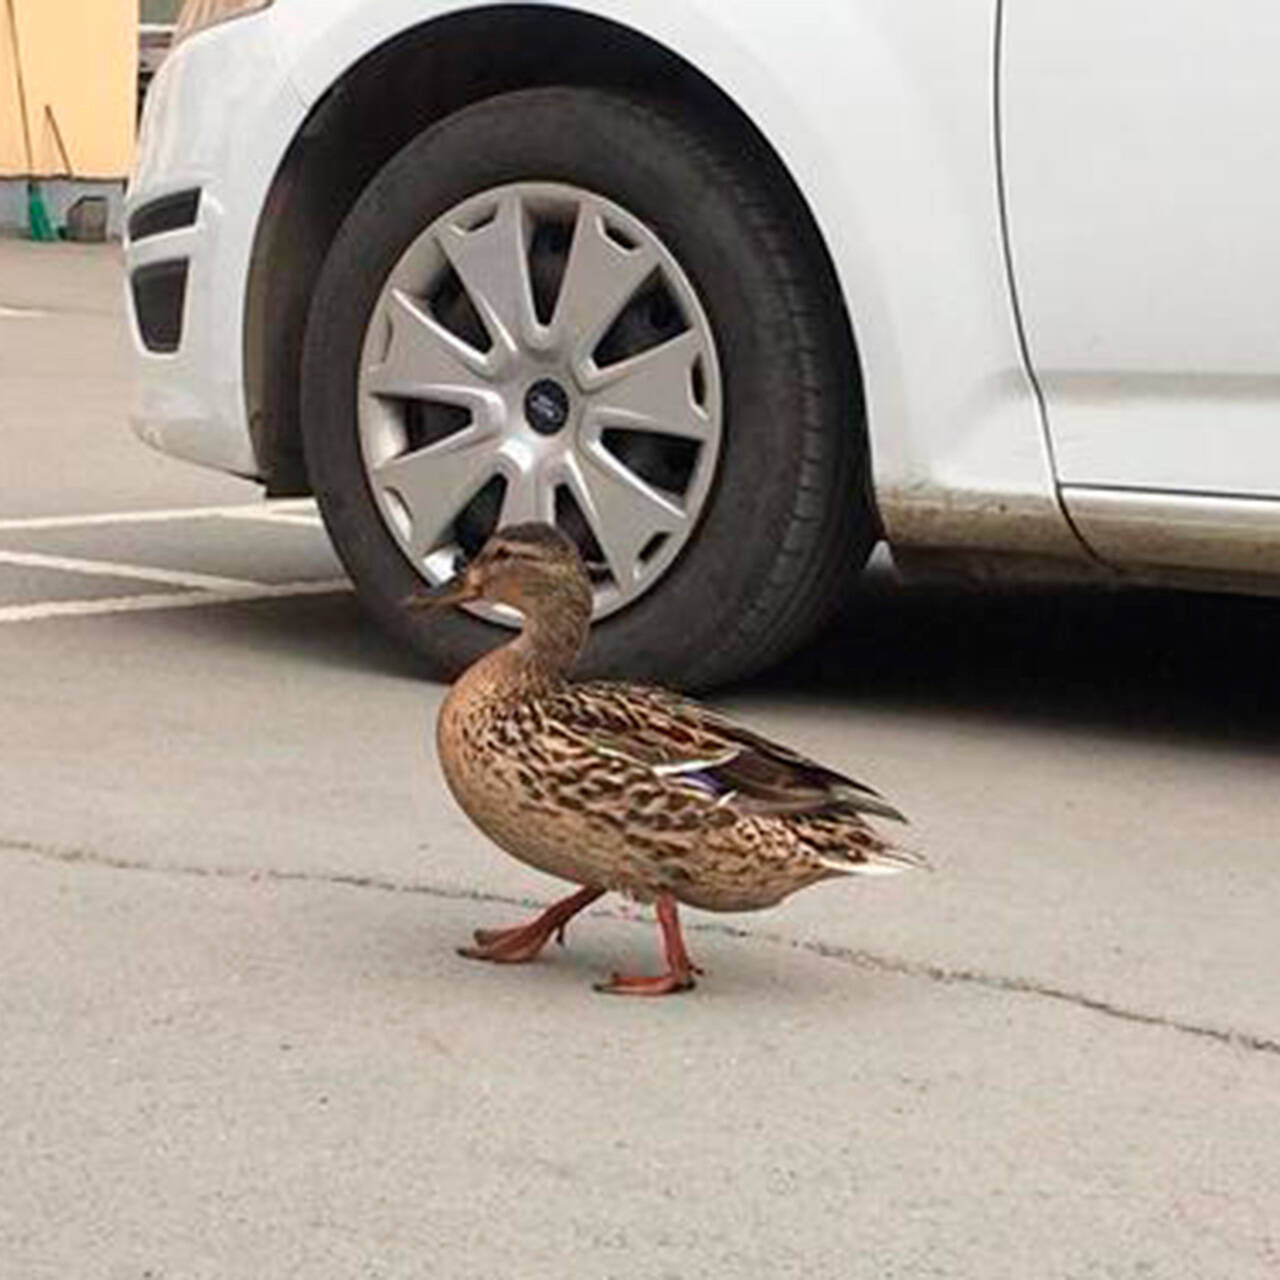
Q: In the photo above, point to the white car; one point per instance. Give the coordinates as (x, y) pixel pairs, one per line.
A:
(729, 289)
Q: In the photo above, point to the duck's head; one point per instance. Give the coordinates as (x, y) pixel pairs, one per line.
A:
(533, 568)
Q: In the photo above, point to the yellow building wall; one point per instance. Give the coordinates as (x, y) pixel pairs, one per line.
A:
(79, 58)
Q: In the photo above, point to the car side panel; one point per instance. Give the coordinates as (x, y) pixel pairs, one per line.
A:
(1141, 147)
(1144, 202)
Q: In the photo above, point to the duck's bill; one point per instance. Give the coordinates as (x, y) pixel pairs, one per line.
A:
(456, 591)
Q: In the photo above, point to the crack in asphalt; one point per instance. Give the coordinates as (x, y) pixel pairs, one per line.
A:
(852, 956)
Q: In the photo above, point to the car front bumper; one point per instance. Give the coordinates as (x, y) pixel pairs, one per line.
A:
(219, 117)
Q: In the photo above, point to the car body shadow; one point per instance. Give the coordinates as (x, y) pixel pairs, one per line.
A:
(1138, 661)
(1148, 663)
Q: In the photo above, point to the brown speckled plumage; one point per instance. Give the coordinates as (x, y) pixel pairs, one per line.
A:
(625, 787)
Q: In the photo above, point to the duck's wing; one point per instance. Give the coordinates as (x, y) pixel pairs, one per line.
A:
(682, 741)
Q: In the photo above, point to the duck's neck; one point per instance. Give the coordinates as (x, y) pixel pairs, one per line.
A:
(555, 630)
(555, 626)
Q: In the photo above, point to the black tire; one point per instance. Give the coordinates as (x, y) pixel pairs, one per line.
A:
(788, 523)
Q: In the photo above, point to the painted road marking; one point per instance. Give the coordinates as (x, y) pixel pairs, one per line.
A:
(283, 509)
(181, 600)
(114, 569)
(200, 588)
(276, 517)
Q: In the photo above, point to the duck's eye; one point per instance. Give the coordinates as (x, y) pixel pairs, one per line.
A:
(501, 553)
(460, 562)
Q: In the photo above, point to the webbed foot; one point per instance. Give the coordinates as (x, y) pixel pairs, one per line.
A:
(522, 943)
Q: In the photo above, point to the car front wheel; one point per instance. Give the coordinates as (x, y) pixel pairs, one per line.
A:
(569, 305)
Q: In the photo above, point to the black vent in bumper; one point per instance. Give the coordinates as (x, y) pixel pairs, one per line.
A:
(159, 291)
(169, 213)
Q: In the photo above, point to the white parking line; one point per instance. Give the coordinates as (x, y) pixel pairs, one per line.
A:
(275, 517)
(278, 511)
(113, 569)
(182, 600)
(200, 588)
(286, 510)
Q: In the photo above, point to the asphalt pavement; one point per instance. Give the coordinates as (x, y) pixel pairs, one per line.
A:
(235, 1039)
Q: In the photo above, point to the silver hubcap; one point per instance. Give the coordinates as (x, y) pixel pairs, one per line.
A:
(538, 354)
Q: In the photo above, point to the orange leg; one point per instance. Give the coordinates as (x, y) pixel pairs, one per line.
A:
(522, 943)
(680, 969)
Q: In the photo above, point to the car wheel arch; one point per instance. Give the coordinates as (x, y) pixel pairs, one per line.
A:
(368, 114)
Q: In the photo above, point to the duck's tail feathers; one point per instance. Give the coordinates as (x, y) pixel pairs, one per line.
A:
(890, 860)
(863, 800)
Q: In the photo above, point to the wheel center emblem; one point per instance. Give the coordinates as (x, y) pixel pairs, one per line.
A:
(546, 406)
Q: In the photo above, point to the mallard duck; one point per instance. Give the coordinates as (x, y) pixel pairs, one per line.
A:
(623, 787)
